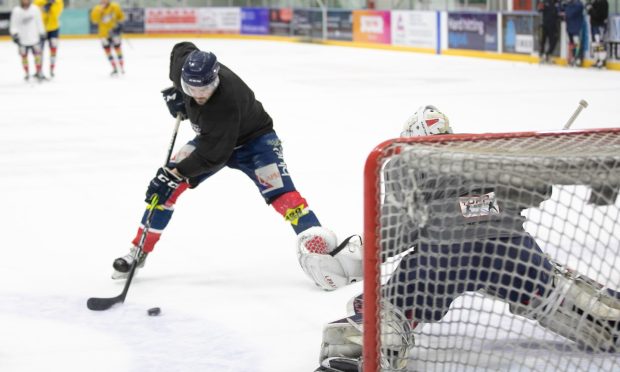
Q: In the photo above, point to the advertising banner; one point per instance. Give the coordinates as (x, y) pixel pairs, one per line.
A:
(307, 23)
(76, 22)
(219, 20)
(134, 21)
(371, 26)
(5, 18)
(340, 25)
(171, 20)
(477, 31)
(280, 21)
(255, 21)
(519, 33)
(414, 28)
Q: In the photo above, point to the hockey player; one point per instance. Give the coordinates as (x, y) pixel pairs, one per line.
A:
(573, 15)
(26, 28)
(598, 11)
(234, 130)
(108, 15)
(51, 11)
(494, 256)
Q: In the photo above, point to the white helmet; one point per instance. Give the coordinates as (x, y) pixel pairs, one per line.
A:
(428, 120)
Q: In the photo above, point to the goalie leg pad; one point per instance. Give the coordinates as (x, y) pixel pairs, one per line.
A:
(314, 250)
(579, 309)
(343, 338)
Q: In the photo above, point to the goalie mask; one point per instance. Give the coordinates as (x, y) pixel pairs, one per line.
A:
(428, 120)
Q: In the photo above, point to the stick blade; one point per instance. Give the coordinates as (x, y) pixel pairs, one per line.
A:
(100, 304)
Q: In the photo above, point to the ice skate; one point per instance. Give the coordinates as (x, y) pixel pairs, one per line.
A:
(122, 265)
(40, 77)
(114, 72)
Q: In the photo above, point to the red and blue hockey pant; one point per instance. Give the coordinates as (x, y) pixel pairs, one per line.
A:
(262, 161)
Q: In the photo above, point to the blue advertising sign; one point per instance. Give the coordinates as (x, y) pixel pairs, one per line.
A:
(519, 35)
(134, 21)
(477, 31)
(340, 25)
(255, 21)
(307, 22)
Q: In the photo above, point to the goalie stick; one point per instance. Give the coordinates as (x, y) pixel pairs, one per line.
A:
(99, 303)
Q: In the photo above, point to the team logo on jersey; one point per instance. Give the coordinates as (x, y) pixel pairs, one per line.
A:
(269, 177)
(293, 215)
(196, 127)
(479, 206)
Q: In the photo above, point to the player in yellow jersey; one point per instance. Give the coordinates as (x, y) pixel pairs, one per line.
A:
(51, 11)
(108, 15)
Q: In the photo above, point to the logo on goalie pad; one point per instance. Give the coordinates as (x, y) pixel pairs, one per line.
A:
(479, 207)
(269, 177)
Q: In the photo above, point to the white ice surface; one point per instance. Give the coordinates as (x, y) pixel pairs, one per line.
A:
(76, 154)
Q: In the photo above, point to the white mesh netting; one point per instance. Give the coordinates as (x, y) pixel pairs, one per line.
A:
(502, 251)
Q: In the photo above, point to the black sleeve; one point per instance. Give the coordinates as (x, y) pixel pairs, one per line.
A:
(215, 145)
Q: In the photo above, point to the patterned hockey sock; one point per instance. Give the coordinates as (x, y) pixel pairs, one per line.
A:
(119, 57)
(295, 210)
(52, 59)
(108, 53)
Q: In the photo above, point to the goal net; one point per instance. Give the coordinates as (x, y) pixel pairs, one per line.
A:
(497, 249)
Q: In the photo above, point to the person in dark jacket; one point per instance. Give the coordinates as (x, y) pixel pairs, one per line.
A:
(234, 130)
(573, 15)
(599, 12)
(550, 10)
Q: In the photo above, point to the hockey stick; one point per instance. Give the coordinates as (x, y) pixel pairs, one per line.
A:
(98, 303)
(582, 104)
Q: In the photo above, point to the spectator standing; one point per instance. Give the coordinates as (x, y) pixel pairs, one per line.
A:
(550, 10)
(599, 12)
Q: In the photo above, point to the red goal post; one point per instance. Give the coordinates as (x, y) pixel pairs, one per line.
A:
(535, 144)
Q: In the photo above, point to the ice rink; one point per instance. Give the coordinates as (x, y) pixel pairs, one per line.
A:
(78, 152)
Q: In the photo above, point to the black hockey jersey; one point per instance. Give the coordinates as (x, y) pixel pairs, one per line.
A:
(230, 118)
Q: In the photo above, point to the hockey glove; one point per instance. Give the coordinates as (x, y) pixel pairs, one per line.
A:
(163, 185)
(175, 103)
(15, 38)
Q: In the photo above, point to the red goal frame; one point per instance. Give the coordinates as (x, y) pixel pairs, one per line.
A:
(372, 168)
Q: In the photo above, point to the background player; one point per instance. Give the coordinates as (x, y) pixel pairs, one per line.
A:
(27, 31)
(494, 255)
(51, 11)
(599, 12)
(108, 17)
(233, 130)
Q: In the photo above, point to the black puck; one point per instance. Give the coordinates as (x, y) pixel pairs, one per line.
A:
(154, 311)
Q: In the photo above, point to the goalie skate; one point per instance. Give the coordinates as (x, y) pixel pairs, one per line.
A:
(579, 309)
(340, 364)
(343, 338)
(122, 265)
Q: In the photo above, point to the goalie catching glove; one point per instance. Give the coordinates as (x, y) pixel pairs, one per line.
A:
(330, 265)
